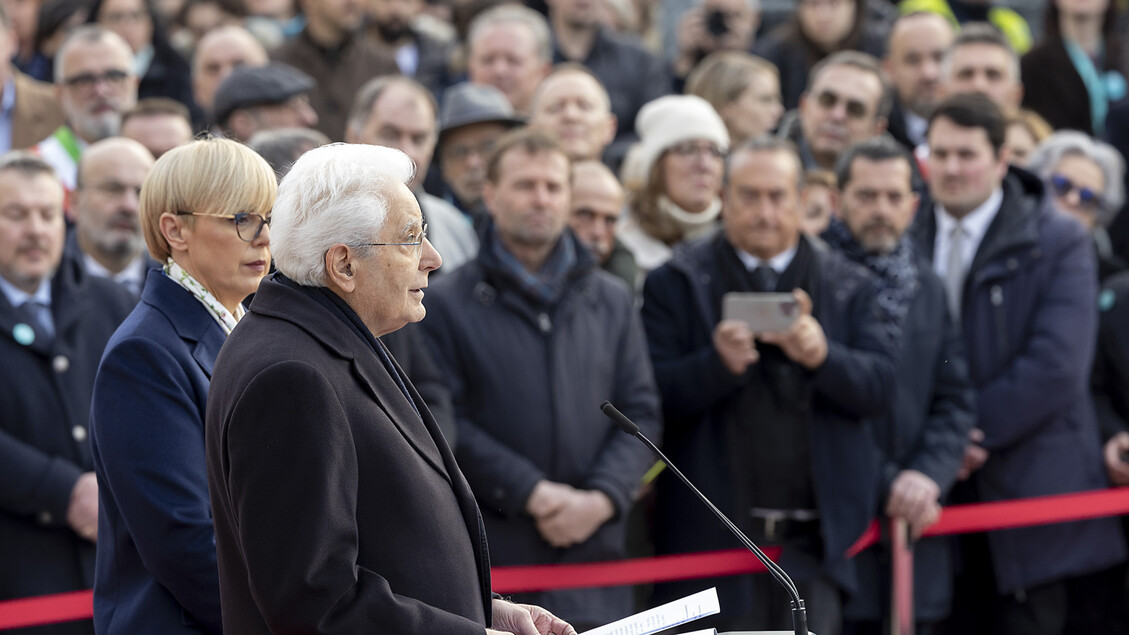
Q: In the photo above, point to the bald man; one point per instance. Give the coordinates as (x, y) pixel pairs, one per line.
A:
(105, 206)
(574, 107)
(914, 51)
(597, 203)
(218, 53)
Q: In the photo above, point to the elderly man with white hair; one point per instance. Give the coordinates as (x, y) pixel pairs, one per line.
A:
(319, 448)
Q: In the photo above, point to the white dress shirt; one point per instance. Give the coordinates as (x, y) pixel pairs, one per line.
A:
(778, 263)
(975, 225)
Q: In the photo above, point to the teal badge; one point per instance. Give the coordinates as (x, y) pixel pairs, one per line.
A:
(23, 334)
(1106, 300)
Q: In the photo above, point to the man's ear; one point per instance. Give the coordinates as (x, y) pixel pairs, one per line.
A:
(340, 269)
(172, 228)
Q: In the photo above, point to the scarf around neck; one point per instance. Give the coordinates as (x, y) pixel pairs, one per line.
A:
(216, 309)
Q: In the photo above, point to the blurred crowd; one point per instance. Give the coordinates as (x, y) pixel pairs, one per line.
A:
(930, 190)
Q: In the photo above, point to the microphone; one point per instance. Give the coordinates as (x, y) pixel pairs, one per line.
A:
(799, 612)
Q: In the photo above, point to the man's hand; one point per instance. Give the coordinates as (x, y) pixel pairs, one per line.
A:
(546, 498)
(1118, 469)
(82, 514)
(974, 455)
(734, 343)
(583, 513)
(914, 497)
(804, 343)
(523, 619)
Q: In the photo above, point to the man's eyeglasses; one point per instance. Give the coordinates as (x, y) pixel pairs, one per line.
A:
(855, 109)
(1089, 199)
(247, 224)
(87, 81)
(414, 240)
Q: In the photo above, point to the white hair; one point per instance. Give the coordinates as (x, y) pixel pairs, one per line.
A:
(335, 194)
(1065, 143)
(514, 14)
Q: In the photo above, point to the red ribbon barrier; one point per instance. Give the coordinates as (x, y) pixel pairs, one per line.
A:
(956, 519)
(47, 609)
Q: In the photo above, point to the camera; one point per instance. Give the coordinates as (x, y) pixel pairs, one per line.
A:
(717, 23)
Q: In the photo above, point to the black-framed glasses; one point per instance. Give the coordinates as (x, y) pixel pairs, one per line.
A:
(829, 99)
(1063, 186)
(87, 81)
(247, 224)
(414, 240)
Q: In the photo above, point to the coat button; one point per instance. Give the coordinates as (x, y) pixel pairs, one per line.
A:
(61, 364)
(44, 518)
(79, 433)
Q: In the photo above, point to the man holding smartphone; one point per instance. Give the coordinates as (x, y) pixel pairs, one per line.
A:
(769, 423)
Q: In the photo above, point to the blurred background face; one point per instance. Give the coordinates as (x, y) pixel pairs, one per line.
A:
(342, 15)
(987, 69)
(393, 18)
(841, 109)
(913, 61)
(31, 228)
(756, 110)
(403, 119)
(597, 201)
(826, 22)
(1082, 7)
(505, 56)
(97, 86)
(462, 160)
(1078, 183)
(964, 168)
(731, 24)
(817, 204)
(1020, 143)
(129, 19)
(158, 133)
(761, 215)
(217, 55)
(574, 107)
(530, 201)
(24, 16)
(576, 14)
(878, 203)
(281, 9)
(691, 174)
(106, 206)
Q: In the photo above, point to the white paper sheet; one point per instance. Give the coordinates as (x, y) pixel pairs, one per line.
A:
(668, 615)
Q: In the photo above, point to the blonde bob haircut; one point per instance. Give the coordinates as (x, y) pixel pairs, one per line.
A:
(211, 175)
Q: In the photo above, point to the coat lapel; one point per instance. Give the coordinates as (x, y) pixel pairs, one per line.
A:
(188, 317)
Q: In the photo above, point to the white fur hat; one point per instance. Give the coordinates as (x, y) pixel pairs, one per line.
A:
(668, 121)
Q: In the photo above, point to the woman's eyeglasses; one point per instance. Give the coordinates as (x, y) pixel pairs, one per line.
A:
(1062, 186)
(247, 224)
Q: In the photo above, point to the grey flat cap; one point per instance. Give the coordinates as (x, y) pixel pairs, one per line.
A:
(248, 86)
(467, 103)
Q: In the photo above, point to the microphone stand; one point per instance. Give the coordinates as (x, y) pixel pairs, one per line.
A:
(799, 612)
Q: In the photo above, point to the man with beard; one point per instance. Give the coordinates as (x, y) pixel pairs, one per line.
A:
(846, 101)
(95, 85)
(922, 437)
(55, 320)
(418, 55)
(914, 52)
(107, 232)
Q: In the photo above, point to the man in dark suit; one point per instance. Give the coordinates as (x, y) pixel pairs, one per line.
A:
(54, 322)
(922, 436)
(1021, 281)
(771, 424)
(338, 506)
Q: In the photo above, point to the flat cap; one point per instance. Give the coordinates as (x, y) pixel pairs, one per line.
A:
(468, 103)
(268, 85)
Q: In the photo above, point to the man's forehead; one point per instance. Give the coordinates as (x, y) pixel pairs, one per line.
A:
(100, 54)
(980, 55)
(849, 81)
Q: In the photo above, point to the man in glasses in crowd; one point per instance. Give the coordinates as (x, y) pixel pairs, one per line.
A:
(95, 85)
(846, 102)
